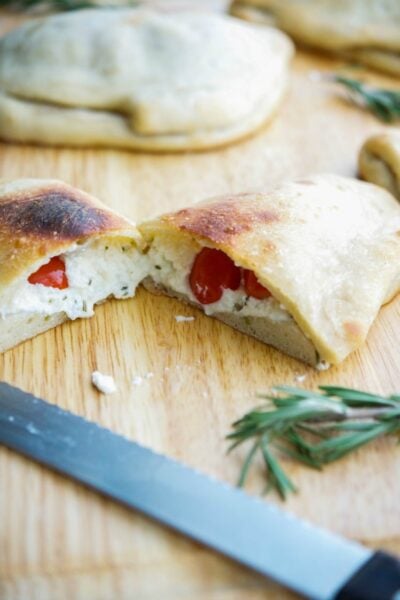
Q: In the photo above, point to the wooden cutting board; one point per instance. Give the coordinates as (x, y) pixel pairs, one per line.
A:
(58, 540)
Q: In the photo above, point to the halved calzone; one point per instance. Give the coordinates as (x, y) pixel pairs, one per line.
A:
(137, 78)
(61, 252)
(305, 267)
(367, 31)
(379, 161)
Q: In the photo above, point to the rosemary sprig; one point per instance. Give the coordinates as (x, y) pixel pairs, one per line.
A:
(314, 428)
(57, 5)
(384, 104)
(43, 5)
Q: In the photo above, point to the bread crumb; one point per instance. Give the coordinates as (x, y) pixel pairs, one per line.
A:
(104, 383)
(182, 319)
(140, 379)
(322, 365)
(300, 378)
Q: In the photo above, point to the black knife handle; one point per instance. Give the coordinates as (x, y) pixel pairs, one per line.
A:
(378, 579)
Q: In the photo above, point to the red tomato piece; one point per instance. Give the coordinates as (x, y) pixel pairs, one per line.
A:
(253, 287)
(51, 274)
(213, 272)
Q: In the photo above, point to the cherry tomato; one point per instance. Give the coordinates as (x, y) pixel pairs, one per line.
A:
(212, 272)
(51, 274)
(253, 287)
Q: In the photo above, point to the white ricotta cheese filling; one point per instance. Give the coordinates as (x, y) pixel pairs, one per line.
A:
(95, 270)
(104, 383)
(170, 266)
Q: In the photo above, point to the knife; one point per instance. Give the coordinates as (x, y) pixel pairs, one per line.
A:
(313, 562)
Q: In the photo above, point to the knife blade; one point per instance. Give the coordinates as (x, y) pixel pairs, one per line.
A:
(309, 560)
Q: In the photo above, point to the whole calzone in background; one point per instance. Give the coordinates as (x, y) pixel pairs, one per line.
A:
(136, 78)
(379, 161)
(367, 31)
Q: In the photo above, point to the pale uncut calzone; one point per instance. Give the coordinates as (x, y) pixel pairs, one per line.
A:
(379, 161)
(61, 252)
(367, 31)
(305, 267)
(136, 78)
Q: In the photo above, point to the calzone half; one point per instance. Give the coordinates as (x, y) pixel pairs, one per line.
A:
(305, 267)
(61, 252)
(367, 31)
(379, 161)
(136, 78)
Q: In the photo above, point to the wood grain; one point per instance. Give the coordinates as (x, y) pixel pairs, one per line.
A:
(58, 540)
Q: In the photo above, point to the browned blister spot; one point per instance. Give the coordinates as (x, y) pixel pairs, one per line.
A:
(222, 221)
(52, 213)
(353, 330)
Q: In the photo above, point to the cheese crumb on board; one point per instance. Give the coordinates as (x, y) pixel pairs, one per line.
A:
(104, 383)
(140, 379)
(322, 365)
(182, 319)
(300, 378)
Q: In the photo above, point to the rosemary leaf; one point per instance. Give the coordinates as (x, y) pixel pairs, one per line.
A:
(299, 456)
(334, 448)
(384, 104)
(294, 392)
(295, 438)
(357, 397)
(43, 5)
(247, 463)
(57, 5)
(347, 426)
(313, 428)
(276, 474)
(390, 415)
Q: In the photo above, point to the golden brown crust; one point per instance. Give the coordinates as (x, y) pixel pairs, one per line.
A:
(41, 218)
(65, 211)
(222, 220)
(363, 31)
(379, 161)
(327, 248)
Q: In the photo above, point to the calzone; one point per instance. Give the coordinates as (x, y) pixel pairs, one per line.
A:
(305, 267)
(61, 252)
(379, 161)
(136, 78)
(367, 31)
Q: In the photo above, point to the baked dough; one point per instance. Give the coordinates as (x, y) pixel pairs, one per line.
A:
(136, 78)
(326, 247)
(42, 219)
(367, 31)
(379, 161)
